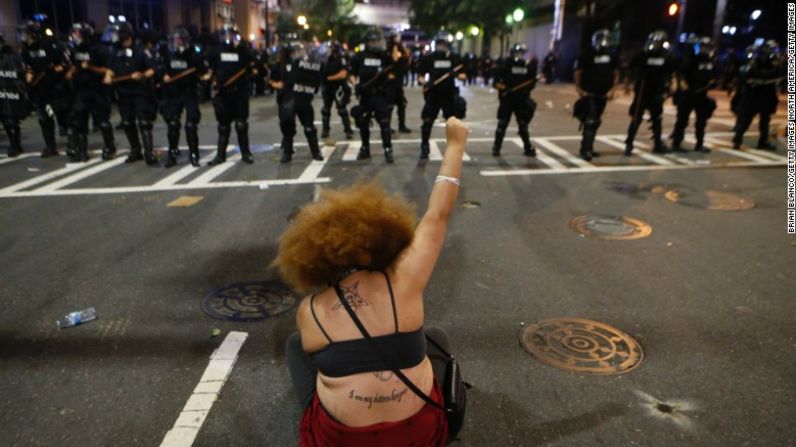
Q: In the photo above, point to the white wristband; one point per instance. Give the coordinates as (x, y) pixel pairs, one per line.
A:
(445, 178)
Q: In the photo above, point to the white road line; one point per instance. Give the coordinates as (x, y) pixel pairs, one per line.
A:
(715, 144)
(195, 412)
(561, 152)
(352, 150)
(313, 170)
(541, 156)
(176, 176)
(5, 160)
(217, 170)
(74, 178)
(70, 167)
(769, 155)
(604, 169)
(641, 154)
(434, 153)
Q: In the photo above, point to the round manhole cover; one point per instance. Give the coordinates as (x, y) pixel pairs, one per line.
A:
(249, 301)
(578, 345)
(610, 227)
(710, 200)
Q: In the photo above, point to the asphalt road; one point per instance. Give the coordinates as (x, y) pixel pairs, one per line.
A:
(706, 294)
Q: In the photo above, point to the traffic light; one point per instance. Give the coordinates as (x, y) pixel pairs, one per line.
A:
(674, 8)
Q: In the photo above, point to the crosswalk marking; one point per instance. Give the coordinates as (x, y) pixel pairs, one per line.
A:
(636, 150)
(217, 170)
(80, 175)
(561, 152)
(541, 156)
(5, 160)
(48, 176)
(312, 171)
(352, 151)
(716, 145)
(176, 176)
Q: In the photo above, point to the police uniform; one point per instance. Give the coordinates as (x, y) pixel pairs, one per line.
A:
(698, 72)
(371, 68)
(336, 92)
(90, 60)
(597, 67)
(758, 95)
(652, 71)
(515, 98)
(487, 68)
(13, 96)
(180, 95)
(444, 95)
(231, 103)
(395, 86)
(137, 104)
(49, 90)
(301, 78)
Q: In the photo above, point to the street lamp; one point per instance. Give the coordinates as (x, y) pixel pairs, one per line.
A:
(755, 14)
(509, 19)
(474, 31)
(518, 15)
(301, 20)
(459, 35)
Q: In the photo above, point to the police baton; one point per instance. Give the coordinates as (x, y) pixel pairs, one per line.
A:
(517, 87)
(443, 77)
(181, 75)
(232, 79)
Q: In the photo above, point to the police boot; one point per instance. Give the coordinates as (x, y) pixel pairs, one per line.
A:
(386, 139)
(312, 140)
(349, 133)
(71, 146)
(500, 132)
(146, 141)
(82, 147)
(528, 149)
(287, 149)
(109, 146)
(402, 120)
(631, 135)
(135, 144)
(326, 116)
(388, 156)
(425, 136)
(15, 139)
(223, 141)
(171, 158)
(658, 147)
(173, 136)
(700, 137)
(766, 146)
(192, 138)
(364, 153)
(242, 129)
(48, 132)
(364, 133)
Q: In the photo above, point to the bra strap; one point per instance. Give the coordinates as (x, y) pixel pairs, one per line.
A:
(392, 299)
(312, 309)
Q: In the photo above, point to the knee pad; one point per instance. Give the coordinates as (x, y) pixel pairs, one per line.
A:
(310, 130)
(128, 125)
(173, 125)
(326, 111)
(502, 124)
(592, 123)
(191, 127)
(145, 125)
(384, 124)
(241, 126)
(224, 129)
(428, 123)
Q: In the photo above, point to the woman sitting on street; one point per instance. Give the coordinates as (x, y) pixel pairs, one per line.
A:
(365, 240)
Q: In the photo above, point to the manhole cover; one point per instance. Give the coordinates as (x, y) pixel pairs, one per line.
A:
(610, 227)
(710, 200)
(249, 301)
(578, 345)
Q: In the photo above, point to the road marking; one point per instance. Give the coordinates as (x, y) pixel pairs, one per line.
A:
(561, 152)
(434, 153)
(605, 169)
(176, 176)
(352, 151)
(312, 171)
(7, 159)
(195, 412)
(74, 178)
(184, 201)
(717, 144)
(216, 170)
(637, 146)
(544, 158)
(70, 167)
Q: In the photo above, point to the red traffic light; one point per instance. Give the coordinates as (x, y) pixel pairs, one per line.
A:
(673, 8)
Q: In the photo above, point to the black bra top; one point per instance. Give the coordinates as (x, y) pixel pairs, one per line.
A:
(347, 357)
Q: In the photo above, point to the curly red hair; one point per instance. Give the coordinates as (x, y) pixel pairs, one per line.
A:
(361, 225)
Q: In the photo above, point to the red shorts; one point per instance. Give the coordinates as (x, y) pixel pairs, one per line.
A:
(427, 427)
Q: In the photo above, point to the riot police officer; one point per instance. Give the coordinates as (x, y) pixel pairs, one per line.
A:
(296, 78)
(90, 79)
(596, 74)
(181, 71)
(370, 71)
(231, 65)
(549, 67)
(13, 98)
(514, 79)
(132, 68)
(695, 75)
(440, 91)
(758, 93)
(336, 90)
(401, 59)
(46, 63)
(652, 70)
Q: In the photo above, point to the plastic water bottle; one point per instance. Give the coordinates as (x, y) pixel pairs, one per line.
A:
(76, 318)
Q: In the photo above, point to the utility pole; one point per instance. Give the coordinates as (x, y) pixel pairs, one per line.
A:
(681, 18)
(267, 29)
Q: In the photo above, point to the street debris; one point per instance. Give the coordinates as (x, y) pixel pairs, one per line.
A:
(76, 318)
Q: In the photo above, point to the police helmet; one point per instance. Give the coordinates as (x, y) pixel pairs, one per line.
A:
(80, 33)
(117, 32)
(29, 31)
(229, 34)
(442, 41)
(179, 40)
(601, 39)
(768, 52)
(704, 47)
(374, 40)
(292, 48)
(518, 50)
(657, 41)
